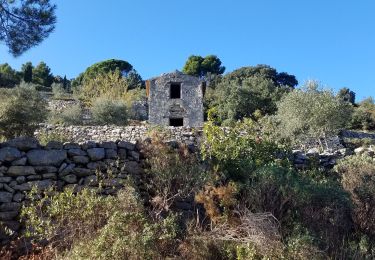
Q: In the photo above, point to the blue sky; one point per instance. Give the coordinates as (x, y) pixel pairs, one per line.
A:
(331, 41)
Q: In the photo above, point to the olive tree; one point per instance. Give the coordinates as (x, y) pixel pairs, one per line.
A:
(311, 112)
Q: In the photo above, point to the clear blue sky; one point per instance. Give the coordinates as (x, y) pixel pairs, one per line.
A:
(332, 40)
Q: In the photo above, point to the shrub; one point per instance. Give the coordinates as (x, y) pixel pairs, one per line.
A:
(47, 136)
(364, 115)
(311, 113)
(172, 173)
(21, 110)
(107, 111)
(59, 92)
(69, 116)
(358, 178)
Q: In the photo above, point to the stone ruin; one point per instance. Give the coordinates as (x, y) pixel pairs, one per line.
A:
(175, 99)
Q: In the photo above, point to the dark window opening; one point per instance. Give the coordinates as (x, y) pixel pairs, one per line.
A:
(176, 121)
(175, 90)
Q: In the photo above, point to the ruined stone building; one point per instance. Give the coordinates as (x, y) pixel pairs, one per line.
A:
(175, 99)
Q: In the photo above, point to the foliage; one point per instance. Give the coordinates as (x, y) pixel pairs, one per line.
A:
(42, 75)
(346, 95)
(111, 85)
(240, 149)
(21, 110)
(124, 69)
(72, 115)
(200, 67)
(364, 115)
(27, 24)
(8, 76)
(358, 178)
(27, 72)
(45, 137)
(311, 113)
(173, 174)
(109, 111)
(59, 92)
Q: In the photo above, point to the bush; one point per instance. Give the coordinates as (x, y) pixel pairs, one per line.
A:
(364, 115)
(21, 110)
(47, 136)
(358, 178)
(69, 116)
(107, 111)
(59, 92)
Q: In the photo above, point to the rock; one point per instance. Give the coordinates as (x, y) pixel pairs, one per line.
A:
(20, 162)
(8, 154)
(5, 197)
(96, 154)
(45, 169)
(312, 152)
(21, 179)
(122, 154)
(359, 150)
(127, 145)
(81, 159)
(3, 170)
(12, 225)
(96, 165)
(71, 178)
(46, 157)
(82, 172)
(67, 170)
(5, 179)
(132, 167)
(62, 167)
(88, 145)
(33, 177)
(10, 206)
(40, 185)
(54, 145)
(110, 154)
(20, 171)
(76, 152)
(7, 188)
(18, 197)
(68, 146)
(24, 143)
(9, 215)
(52, 176)
(135, 155)
(108, 145)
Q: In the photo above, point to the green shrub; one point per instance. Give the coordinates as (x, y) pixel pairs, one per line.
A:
(47, 136)
(107, 111)
(358, 178)
(69, 116)
(364, 115)
(21, 110)
(59, 92)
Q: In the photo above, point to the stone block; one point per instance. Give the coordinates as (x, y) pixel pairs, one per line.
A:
(20, 171)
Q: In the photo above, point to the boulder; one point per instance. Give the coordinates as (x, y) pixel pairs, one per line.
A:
(68, 146)
(10, 206)
(18, 197)
(45, 169)
(108, 145)
(82, 172)
(40, 185)
(110, 154)
(5, 197)
(88, 145)
(5, 179)
(8, 215)
(20, 162)
(24, 143)
(46, 157)
(71, 178)
(76, 152)
(8, 154)
(96, 154)
(127, 145)
(54, 145)
(20, 171)
(81, 159)
(67, 170)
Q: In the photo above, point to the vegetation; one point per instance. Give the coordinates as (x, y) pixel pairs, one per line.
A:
(109, 111)
(27, 24)
(69, 116)
(201, 67)
(21, 110)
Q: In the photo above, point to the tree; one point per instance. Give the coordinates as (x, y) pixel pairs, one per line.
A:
(42, 75)
(24, 24)
(27, 72)
(8, 76)
(311, 113)
(200, 67)
(110, 66)
(347, 95)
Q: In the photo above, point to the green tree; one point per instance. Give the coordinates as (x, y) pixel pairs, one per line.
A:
(312, 113)
(27, 72)
(25, 24)
(347, 95)
(110, 66)
(8, 76)
(200, 67)
(42, 75)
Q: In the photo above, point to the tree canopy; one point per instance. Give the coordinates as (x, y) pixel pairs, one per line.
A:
(200, 67)
(8, 76)
(25, 24)
(42, 75)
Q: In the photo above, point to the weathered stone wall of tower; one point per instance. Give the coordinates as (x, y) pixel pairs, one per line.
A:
(189, 106)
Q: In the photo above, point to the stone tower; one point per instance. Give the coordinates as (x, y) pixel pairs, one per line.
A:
(175, 99)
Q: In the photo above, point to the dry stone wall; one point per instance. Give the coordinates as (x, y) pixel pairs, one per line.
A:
(24, 163)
